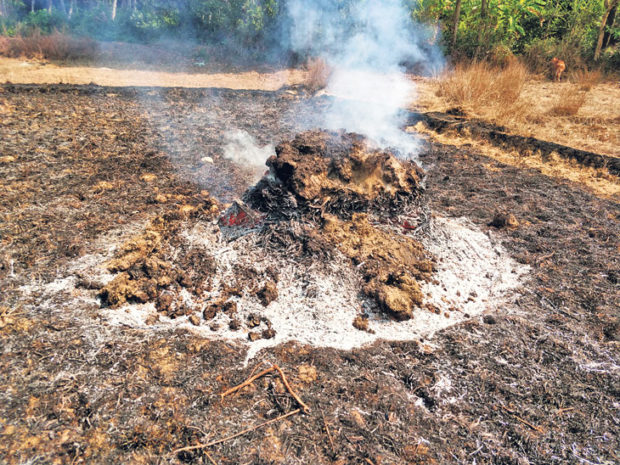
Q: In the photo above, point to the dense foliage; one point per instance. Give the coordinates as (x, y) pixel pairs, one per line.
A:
(538, 29)
(495, 29)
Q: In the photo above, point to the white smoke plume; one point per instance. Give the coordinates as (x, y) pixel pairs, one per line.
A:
(367, 44)
(241, 148)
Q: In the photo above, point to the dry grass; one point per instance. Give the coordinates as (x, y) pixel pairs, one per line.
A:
(56, 46)
(569, 102)
(596, 180)
(318, 74)
(484, 90)
(585, 79)
(581, 112)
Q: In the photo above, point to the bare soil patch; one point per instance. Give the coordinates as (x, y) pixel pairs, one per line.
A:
(536, 382)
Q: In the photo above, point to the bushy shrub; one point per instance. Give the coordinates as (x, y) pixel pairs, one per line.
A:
(539, 53)
(8, 26)
(610, 59)
(58, 46)
(501, 56)
(55, 46)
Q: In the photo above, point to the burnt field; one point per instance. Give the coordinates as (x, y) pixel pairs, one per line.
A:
(84, 169)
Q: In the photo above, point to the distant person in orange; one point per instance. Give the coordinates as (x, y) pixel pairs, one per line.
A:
(557, 67)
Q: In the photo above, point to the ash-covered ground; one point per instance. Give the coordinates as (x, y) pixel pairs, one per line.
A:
(84, 170)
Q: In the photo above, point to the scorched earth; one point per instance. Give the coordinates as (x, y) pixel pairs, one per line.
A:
(92, 175)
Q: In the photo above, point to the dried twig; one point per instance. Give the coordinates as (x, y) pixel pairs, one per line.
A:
(525, 422)
(247, 382)
(210, 458)
(251, 379)
(303, 405)
(561, 411)
(236, 435)
(329, 435)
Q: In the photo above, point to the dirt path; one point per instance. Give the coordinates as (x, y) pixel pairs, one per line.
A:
(30, 72)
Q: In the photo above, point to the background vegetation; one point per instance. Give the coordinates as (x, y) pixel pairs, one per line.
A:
(579, 31)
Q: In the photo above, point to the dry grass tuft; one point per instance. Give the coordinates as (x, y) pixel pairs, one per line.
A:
(56, 46)
(569, 102)
(585, 79)
(318, 74)
(482, 89)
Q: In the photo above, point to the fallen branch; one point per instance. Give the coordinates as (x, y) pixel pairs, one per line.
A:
(236, 435)
(253, 378)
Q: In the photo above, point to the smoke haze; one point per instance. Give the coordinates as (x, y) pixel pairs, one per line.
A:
(243, 149)
(366, 43)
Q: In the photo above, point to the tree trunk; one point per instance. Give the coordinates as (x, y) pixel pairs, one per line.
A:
(114, 2)
(609, 5)
(71, 6)
(63, 7)
(1, 7)
(49, 6)
(32, 6)
(611, 20)
(483, 25)
(457, 14)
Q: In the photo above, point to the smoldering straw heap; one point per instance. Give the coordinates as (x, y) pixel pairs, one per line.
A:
(325, 192)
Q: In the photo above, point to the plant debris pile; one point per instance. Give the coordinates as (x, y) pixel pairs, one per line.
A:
(331, 190)
(337, 173)
(325, 191)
